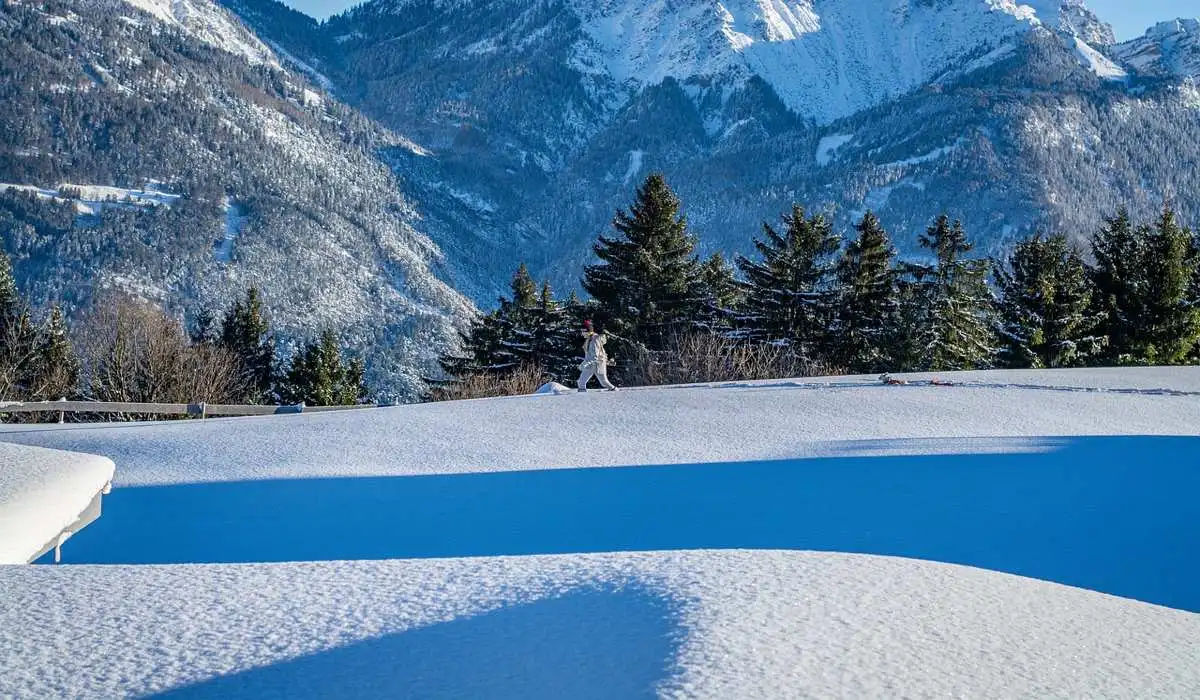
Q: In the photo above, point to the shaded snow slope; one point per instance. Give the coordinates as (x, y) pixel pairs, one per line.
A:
(683, 624)
(42, 492)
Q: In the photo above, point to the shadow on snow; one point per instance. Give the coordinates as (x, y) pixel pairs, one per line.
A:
(1117, 515)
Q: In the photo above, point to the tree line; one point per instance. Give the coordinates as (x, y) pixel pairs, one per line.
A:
(811, 300)
(128, 350)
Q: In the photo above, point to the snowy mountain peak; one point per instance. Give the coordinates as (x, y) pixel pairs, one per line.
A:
(825, 60)
(1167, 50)
(209, 23)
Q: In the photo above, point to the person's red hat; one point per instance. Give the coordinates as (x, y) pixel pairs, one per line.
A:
(588, 324)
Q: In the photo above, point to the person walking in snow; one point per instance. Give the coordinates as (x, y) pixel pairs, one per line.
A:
(595, 359)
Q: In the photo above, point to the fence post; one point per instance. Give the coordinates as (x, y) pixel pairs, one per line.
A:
(62, 415)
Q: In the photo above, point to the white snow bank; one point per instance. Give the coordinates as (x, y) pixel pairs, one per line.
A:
(42, 494)
(765, 624)
(553, 388)
(681, 425)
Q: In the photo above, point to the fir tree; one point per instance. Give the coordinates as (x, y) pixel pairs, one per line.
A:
(1121, 251)
(722, 295)
(868, 301)
(204, 330)
(1046, 311)
(55, 370)
(319, 377)
(789, 293)
(959, 320)
(246, 333)
(647, 285)
(1171, 326)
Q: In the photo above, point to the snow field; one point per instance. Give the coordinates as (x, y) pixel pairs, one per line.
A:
(774, 539)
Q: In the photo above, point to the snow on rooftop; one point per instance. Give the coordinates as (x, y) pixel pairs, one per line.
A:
(1014, 534)
(42, 493)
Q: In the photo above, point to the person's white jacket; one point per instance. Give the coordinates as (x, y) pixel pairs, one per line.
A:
(595, 361)
(594, 354)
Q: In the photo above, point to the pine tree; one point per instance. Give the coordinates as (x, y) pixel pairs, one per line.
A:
(319, 377)
(789, 293)
(55, 367)
(960, 317)
(1120, 276)
(1046, 309)
(246, 333)
(1171, 325)
(647, 285)
(868, 301)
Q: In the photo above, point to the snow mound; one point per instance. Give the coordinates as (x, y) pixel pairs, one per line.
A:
(42, 493)
(553, 388)
(765, 624)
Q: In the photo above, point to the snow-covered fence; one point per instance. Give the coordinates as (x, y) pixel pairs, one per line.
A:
(202, 410)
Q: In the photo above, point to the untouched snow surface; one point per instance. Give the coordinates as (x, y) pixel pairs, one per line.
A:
(1015, 534)
(42, 492)
(732, 624)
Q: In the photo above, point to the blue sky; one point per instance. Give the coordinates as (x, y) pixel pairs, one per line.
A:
(1130, 18)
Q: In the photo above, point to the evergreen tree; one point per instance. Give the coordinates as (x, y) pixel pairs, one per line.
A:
(204, 329)
(1121, 251)
(647, 285)
(246, 333)
(1046, 310)
(1171, 325)
(319, 377)
(722, 295)
(556, 338)
(868, 301)
(959, 320)
(789, 293)
(55, 371)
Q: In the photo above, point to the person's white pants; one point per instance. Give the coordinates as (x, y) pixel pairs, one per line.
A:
(598, 371)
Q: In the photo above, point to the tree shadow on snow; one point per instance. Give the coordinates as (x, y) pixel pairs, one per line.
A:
(586, 644)
(1118, 515)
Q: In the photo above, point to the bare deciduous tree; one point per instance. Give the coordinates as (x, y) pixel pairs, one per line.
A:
(133, 351)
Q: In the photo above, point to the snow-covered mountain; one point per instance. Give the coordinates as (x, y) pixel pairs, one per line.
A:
(1169, 49)
(159, 148)
(540, 116)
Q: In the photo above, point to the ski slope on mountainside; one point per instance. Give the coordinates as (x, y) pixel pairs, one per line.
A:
(1014, 534)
